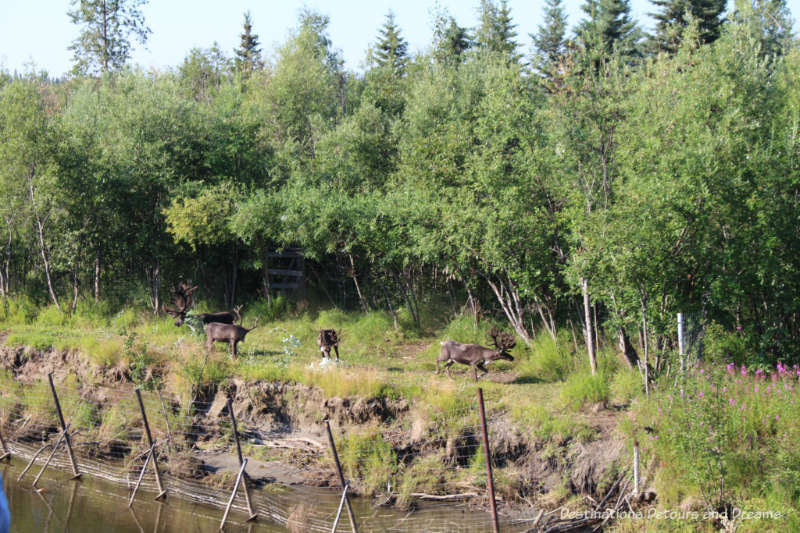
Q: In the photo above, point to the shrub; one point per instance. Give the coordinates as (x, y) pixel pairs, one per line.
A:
(583, 388)
(626, 385)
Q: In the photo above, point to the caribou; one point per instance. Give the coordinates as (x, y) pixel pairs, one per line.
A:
(231, 333)
(182, 301)
(476, 355)
(327, 339)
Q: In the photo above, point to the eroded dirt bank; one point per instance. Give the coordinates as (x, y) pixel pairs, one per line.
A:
(282, 429)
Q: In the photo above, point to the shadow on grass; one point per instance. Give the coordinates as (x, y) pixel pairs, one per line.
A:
(526, 380)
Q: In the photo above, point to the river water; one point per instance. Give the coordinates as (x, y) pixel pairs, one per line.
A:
(91, 504)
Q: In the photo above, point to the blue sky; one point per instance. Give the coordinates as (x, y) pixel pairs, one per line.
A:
(39, 32)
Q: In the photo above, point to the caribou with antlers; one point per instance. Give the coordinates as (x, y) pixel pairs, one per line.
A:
(182, 301)
(476, 355)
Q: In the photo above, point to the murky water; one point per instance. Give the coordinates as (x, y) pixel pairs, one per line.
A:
(92, 504)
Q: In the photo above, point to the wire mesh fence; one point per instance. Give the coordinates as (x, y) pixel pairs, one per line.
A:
(436, 484)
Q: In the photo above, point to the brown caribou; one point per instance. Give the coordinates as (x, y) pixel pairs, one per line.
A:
(327, 339)
(230, 333)
(476, 355)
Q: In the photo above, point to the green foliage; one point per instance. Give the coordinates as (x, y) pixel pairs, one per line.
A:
(583, 388)
(727, 439)
(366, 456)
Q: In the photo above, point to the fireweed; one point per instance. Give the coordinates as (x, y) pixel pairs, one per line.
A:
(733, 436)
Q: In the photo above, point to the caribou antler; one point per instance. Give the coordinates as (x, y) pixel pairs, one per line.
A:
(503, 341)
(238, 312)
(181, 300)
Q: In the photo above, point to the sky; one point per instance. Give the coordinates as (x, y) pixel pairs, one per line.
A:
(36, 33)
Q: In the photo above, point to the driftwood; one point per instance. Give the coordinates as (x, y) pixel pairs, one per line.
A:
(446, 497)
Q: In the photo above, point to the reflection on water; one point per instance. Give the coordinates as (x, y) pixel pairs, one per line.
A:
(92, 504)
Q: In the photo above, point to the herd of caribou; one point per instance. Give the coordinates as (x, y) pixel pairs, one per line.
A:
(222, 327)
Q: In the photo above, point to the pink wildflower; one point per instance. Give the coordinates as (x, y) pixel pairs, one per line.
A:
(731, 401)
(744, 371)
(700, 394)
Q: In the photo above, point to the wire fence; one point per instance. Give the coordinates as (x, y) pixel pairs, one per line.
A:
(194, 446)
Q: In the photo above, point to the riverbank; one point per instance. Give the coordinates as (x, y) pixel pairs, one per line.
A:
(404, 434)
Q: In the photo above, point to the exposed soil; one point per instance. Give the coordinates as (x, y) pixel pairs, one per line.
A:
(284, 423)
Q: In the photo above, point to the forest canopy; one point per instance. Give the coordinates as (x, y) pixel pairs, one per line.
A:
(647, 174)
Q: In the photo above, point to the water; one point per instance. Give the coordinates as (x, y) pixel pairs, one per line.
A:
(92, 504)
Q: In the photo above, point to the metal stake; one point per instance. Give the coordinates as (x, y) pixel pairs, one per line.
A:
(339, 511)
(141, 474)
(253, 515)
(161, 490)
(350, 514)
(55, 449)
(487, 452)
(75, 472)
(233, 494)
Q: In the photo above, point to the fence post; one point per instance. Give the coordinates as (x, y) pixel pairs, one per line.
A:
(253, 515)
(635, 468)
(75, 472)
(339, 511)
(52, 454)
(233, 494)
(141, 474)
(350, 514)
(488, 454)
(161, 490)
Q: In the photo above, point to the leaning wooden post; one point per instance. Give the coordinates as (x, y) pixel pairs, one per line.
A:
(161, 491)
(75, 473)
(233, 494)
(488, 454)
(339, 511)
(141, 474)
(52, 454)
(350, 514)
(253, 515)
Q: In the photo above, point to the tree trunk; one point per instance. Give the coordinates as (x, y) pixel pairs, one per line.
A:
(548, 322)
(74, 289)
(42, 247)
(388, 302)
(361, 300)
(588, 325)
(473, 305)
(628, 351)
(267, 285)
(509, 299)
(155, 287)
(645, 343)
(97, 275)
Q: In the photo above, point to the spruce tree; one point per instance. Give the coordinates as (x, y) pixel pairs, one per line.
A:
(671, 20)
(392, 50)
(496, 30)
(549, 42)
(248, 55)
(106, 28)
(451, 40)
(608, 28)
